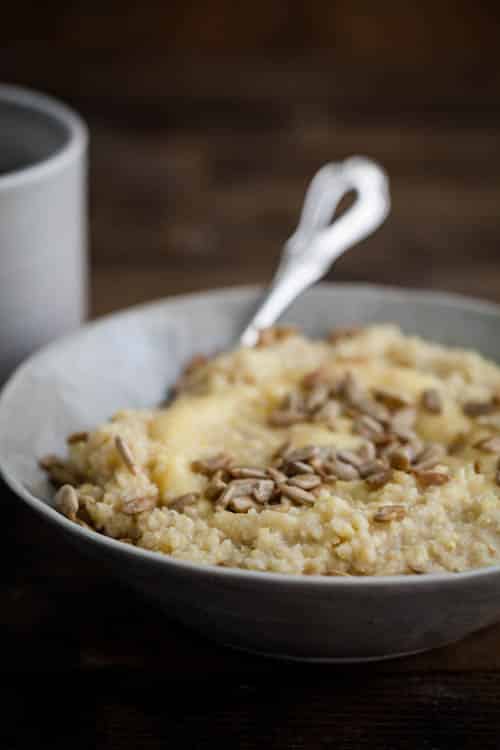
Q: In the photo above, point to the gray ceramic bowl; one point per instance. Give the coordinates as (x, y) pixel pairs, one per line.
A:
(128, 360)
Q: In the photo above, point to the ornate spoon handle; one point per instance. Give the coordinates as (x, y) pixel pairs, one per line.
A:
(317, 243)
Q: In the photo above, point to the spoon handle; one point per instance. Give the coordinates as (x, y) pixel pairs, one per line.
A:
(317, 243)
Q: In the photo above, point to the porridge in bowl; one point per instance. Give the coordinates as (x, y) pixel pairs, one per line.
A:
(368, 453)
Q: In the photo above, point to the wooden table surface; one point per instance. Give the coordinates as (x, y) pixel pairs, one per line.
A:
(197, 175)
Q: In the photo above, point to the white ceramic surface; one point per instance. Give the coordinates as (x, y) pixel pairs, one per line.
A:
(128, 360)
(43, 290)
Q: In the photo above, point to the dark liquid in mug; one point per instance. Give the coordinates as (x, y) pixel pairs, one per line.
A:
(15, 159)
(27, 137)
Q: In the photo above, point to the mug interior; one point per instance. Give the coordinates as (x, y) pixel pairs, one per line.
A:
(28, 135)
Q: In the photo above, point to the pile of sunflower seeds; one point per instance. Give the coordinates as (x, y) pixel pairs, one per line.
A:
(297, 476)
(321, 399)
(386, 420)
(293, 477)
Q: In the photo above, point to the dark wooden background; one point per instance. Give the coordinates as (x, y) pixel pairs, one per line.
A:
(207, 120)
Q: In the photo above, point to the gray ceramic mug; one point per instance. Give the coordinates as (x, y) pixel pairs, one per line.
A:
(43, 222)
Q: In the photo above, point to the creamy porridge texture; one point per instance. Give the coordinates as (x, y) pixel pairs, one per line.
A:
(368, 453)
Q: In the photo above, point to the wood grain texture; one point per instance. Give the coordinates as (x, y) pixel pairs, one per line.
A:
(198, 170)
(419, 34)
(345, 709)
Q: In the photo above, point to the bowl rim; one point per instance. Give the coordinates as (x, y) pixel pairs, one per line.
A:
(266, 578)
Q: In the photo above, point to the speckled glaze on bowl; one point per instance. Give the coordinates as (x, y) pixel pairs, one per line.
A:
(315, 618)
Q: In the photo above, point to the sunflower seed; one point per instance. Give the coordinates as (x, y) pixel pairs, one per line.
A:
(296, 494)
(376, 481)
(221, 504)
(385, 450)
(367, 452)
(293, 401)
(241, 504)
(285, 418)
(181, 502)
(431, 456)
(263, 490)
(372, 409)
(247, 472)
(369, 428)
(314, 378)
(343, 332)
(237, 488)
(77, 437)
(344, 472)
(298, 467)
(478, 408)
(390, 399)
(60, 473)
(209, 466)
(370, 468)
(216, 485)
(138, 505)
(406, 435)
(489, 445)
(349, 457)
(66, 501)
(303, 454)
(351, 389)
(126, 454)
(317, 397)
(48, 461)
(196, 361)
(388, 513)
(328, 413)
(305, 481)
(317, 465)
(269, 336)
(401, 457)
(431, 401)
(283, 449)
(457, 444)
(429, 478)
(276, 474)
(416, 444)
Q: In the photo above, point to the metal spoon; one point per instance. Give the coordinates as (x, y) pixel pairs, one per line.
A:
(317, 243)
